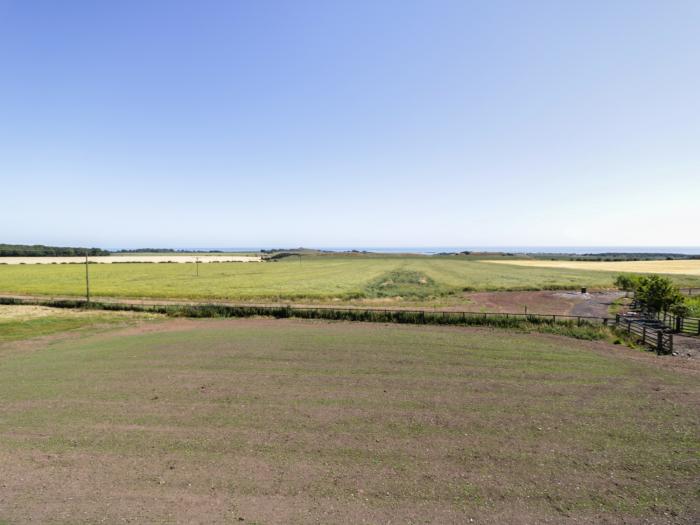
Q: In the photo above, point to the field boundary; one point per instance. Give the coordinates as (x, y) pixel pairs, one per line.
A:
(658, 339)
(246, 310)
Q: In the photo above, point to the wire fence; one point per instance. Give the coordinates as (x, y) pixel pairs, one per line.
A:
(657, 338)
(419, 316)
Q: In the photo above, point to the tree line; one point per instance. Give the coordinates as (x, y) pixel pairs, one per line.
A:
(39, 250)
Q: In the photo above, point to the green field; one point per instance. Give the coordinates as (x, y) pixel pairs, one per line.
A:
(314, 278)
(310, 422)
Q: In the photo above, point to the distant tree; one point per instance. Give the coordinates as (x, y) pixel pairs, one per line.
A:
(38, 250)
(658, 294)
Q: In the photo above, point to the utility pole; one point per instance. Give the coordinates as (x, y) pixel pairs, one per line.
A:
(87, 280)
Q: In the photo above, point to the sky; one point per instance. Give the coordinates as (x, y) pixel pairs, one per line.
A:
(350, 123)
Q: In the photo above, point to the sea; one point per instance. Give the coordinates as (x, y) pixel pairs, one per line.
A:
(432, 250)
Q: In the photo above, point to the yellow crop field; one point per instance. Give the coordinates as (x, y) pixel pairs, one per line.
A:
(681, 267)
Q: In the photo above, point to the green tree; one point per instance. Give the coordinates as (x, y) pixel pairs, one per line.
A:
(681, 310)
(657, 293)
(627, 283)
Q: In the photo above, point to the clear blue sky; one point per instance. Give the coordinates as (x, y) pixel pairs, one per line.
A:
(366, 123)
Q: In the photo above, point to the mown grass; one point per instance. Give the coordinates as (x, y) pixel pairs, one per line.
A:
(315, 278)
(327, 420)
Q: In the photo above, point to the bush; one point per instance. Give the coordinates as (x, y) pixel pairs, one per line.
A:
(627, 282)
(657, 293)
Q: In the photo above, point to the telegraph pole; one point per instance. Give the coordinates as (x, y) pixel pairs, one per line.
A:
(87, 280)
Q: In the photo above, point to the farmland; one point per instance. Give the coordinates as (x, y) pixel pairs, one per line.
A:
(320, 279)
(674, 267)
(298, 421)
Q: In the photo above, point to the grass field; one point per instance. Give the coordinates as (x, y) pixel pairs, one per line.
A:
(314, 278)
(310, 422)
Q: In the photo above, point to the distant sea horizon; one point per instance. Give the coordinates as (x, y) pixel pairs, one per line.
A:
(432, 250)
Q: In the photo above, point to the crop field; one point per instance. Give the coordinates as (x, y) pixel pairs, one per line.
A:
(282, 421)
(310, 278)
(131, 258)
(674, 267)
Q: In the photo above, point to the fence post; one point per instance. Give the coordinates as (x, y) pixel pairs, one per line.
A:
(644, 334)
(659, 342)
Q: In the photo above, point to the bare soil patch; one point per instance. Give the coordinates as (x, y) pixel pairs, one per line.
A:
(594, 304)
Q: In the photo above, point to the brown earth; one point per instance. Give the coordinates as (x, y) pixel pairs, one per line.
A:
(594, 304)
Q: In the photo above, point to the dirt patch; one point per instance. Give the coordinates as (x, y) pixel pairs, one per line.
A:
(686, 347)
(594, 304)
(25, 312)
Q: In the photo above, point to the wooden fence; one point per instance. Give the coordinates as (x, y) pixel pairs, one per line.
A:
(680, 325)
(650, 335)
(674, 323)
(690, 291)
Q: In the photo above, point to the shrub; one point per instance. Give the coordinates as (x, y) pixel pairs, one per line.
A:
(627, 282)
(657, 293)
